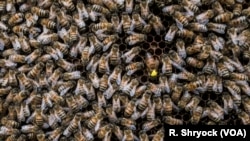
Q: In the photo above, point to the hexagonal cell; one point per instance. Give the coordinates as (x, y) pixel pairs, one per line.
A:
(162, 44)
(157, 38)
(144, 79)
(150, 38)
(151, 51)
(145, 46)
(158, 51)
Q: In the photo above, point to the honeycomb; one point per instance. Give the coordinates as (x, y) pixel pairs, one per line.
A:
(47, 92)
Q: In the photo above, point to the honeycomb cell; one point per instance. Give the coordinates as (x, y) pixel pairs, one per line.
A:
(145, 46)
(162, 44)
(158, 51)
(144, 79)
(150, 38)
(157, 38)
(151, 51)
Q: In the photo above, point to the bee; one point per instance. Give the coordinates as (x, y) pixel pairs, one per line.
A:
(59, 112)
(103, 83)
(63, 19)
(196, 115)
(128, 135)
(73, 34)
(188, 4)
(79, 22)
(181, 20)
(186, 97)
(167, 105)
(245, 103)
(217, 27)
(172, 121)
(68, 4)
(170, 35)
(73, 125)
(20, 30)
(133, 67)
(104, 26)
(114, 55)
(65, 86)
(152, 64)
(197, 27)
(29, 128)
(65, 64)
(72, 103)
(129, 110)
(144, 102)
(41, 137)
(129, 55)
(111, 114)
(37, 117)
(94, 79)
(117, 24)
(53, 78)
(166, 65)
(237, 9)
(176, 58)
(87, 134)
(117, 131)
(135, 38)
(203, 18)
(244, 86)
(234, 90)
(228, 103)
(126, 22)
(46, 39)
(216, 108)
(222, 70)
(4, 27)
(217, 8)
(150, 124)
(238, 76)
(110, 91)
(94, 122)
(36, 70)
(40, 12)
(129, 4)
(158, 104)
(9, 123)
(107, 42)
(115, 75)
(85, 55)
(17, 58)
(224, 17)
(71, 75)
(95, 43)
(244, 117)
(180, 45)
(103, 66)
(137, 22)
(177, 91)
(193, 85)
(24, 81)
(145, 12)
(31, 19)
(147, 29)
(186, 34)
(193, 103)
(116, 103)
(106, 129)
(170, 9)
(156, 23)
(55, 134)
(100, 9)
(143, 136)
(194, 62)
(48, 23)
(15, 19)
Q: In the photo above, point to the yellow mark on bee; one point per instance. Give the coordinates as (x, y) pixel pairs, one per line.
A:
(153, 73)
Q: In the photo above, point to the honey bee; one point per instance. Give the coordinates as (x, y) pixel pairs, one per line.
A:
(166, 65)
(117, 25)
(133, 67)
(85, 55)
(87, 134)
(107, 42)
(224, 17)
(237, 9)
(72, 103)
(176, 58)
(73, 34)
(238, 76)
(114, 55)
(29, 128)
(117, 131)
(103, 83)
(234, 90)
(17, 58)
(38, 118)
(193, 103)
(158, 104)
(55, 134)
(116, 103)
(9, 123)
(216, 27)
(40, 12)
(94, 79)
(244, 117)
(186, 97)
(186, 34)
(71, 75)
(217, 8)
(83, 13)
(110, 91)
(20, 29)
(65, 64)
(135, 38)
(64, 87)
(196, 115)
(106, 129)
(130, 108)
(95, 43)
(181, 20)
(169, 10)
(167, 105)
(197, 27)
(180, 45)
(152, 64)
(203, 18)
(126, 22)
(193, 85)
(228, 2)
(194, 62)
(73, 125)
(228, 103)
(129, 55)
(41, 137)
(100, 9)
(53, 78)
(103, 66)
(245, 103)
(143, 136)
(145, 12)
(3, 26)
(24, 81)
(36, 70)
(31, 19)
(150, 124)
(68, 4)
(156, 23)
(170, 35)
(222, 70)
(172, 121)
(111, 114)
(137, 22)
(63, 19)
(217, 108)
(48, 23)
(15, 19)
(59, 112)
(46, 39)
(144, 102)
(103, 26)
(129, 4)
(128, 135)
(94, 122)
(177, 91)
(116, 75)
(188, 4)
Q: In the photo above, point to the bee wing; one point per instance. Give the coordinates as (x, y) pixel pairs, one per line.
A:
(132, 26)
(179, 24)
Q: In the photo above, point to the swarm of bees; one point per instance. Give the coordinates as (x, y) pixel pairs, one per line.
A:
(86, 70)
